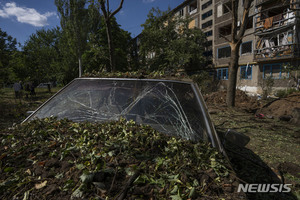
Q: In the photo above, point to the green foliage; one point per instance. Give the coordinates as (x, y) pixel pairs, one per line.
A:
(97, 55)
(285, 93)
(167, 42)
(137, 74)
(206, 83)
(170, 167)
(40, 57)
(74, 20)
(7, 49)
(267, 86)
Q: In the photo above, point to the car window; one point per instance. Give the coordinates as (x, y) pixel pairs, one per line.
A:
(170, 107)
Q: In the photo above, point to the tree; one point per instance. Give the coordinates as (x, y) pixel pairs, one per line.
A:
(7, 48)
(108, 17)
(167, 42)
(41, 54)
(74, 22)
(235, 42)
(97, 55)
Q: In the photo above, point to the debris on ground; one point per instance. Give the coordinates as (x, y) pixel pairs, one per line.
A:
(284, 108)
(60, 159)
(242, 100)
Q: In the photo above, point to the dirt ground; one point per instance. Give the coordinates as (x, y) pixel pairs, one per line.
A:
(275, 142)
(242, 100)
(284, 106)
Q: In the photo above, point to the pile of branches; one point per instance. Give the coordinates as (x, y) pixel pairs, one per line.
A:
(140, 74)
(60, 159)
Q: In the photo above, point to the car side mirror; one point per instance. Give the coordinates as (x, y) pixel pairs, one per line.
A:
(236, 138)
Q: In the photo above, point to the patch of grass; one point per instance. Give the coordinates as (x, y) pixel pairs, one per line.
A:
(274, 141)
(14, 110)
(285, 93)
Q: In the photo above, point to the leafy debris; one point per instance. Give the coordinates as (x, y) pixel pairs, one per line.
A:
(60, 159)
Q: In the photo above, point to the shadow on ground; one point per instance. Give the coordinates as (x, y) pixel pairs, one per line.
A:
(250, 168)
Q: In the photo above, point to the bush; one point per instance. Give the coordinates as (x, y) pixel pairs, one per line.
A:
(285, 93)
(206, 83)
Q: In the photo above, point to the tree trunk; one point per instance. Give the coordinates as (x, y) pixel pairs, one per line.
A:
(233, 69)
(80, 66)
(110, 47)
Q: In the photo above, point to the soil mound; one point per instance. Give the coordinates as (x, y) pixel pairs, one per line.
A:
(51, 159)
(242, 100)
(280, 107)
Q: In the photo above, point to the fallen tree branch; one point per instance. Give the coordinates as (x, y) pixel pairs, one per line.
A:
(124, 191)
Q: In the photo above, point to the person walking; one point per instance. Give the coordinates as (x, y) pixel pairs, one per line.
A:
(17, 88)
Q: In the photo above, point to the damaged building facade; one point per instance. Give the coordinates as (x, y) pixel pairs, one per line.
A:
(277, 37)
(269, 49)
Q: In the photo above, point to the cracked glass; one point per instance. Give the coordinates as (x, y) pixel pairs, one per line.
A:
(170, 107)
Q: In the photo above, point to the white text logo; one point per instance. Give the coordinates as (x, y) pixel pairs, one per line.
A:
(264, 188)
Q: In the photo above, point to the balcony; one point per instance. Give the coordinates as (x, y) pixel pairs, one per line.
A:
(193, 8)
(261, 2)
(275, 53)
(275, 22)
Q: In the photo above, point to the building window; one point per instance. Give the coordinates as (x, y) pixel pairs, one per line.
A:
(275, 71)
(208, 53)
(207, 24)
(207, 14)
(246, 47)
(222, 74)
(224, 52)
(250, 23)
(206, 4)
(192, 24)
(208, 33)
(225, 30)
(227, 7)
(193, 8)
(209, 43)
(246, 72)
(181, 12)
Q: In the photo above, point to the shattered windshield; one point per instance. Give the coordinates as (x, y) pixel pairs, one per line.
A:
(167, 106)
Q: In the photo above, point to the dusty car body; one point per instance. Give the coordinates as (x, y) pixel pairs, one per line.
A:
(172, 107)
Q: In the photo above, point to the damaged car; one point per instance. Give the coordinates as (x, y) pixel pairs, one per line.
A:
(173, 107)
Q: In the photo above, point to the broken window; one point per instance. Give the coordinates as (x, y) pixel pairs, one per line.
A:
(193, 8)
(227, 7)
(206, 4)
(170, 107)
(224, 52)
(222, 74)
(225, 30)
(207, 14)
(246, 47)
(246, 72)
(275, 46)
(207, 24)
(192, 24)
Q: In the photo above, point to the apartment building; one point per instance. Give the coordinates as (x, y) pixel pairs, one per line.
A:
(277, 37)
(201, 14)
(248, 71)
(271, 41)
